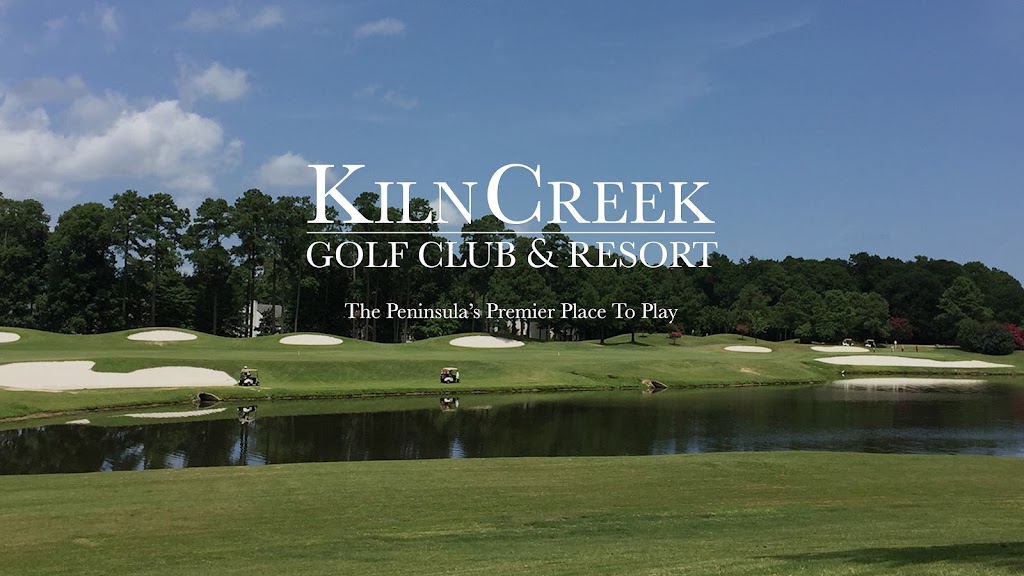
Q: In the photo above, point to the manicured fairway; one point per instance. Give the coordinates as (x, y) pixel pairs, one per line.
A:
(739, 513)
(356, 367)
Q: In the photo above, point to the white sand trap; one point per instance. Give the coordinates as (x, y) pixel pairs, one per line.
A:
(310, 340)
(187, 414)
(9, 337)
(78, 375)
(162, 336)
(886, 360)
(485, 342)
(902, 382)
(758, 349)
(83, 421)
(843, 349)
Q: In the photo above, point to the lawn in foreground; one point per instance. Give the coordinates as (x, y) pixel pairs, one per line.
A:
(737, 513)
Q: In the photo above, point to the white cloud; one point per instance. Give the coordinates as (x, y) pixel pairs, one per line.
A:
(396, 99)
(382, 27)
(366, 92)
(108, 19)
(45, 89)
(215, 82)
(447, 211)
(91, 113)
(266, 17)
(231, 17)
(392, 98)
(106, 137)
(287, 169)
(54, 27)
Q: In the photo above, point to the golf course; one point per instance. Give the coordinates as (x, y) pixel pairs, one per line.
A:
(714, 513)
(355, 368)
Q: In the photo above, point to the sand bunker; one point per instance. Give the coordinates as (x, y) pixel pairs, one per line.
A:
(310, 340)
(843, 349)
(187, 414)
(78, 375)
(484, 342)
(905, 382)
(758, 349)
(162, 336)
(83, 421)
(886, 360)
(9, 337)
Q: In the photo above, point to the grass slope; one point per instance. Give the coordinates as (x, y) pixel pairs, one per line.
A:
(756, 514)
(357, 367)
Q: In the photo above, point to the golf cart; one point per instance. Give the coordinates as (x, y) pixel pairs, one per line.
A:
(249, 377)
(870, 343)
(848, 342)
(449, 375)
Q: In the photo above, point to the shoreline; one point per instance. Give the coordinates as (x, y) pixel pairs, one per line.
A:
(287, 397)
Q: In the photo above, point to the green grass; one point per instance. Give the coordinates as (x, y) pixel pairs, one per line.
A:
(756, 514)
(356, 367)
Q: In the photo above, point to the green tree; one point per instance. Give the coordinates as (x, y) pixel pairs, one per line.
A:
(80, 296)
(212, 266)
(758, 323)
(162, 233)
(250, 221)
(24, 229)
(130, 219)
(961, 301)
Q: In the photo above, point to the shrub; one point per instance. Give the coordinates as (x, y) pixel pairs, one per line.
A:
(986, 338)
(1017, 334)
(900, 328)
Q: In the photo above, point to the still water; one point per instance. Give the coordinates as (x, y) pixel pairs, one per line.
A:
(985, 418)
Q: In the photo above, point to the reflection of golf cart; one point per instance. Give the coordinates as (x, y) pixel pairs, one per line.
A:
(249, 378)
(869, 343)
(848, 342)
(449, 403)
(246, 414)
(449, 375)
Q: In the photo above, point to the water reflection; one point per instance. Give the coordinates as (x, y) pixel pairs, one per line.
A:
(985, 419)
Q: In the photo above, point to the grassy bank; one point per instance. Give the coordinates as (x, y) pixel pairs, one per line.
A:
(356, 367)
(773, 513)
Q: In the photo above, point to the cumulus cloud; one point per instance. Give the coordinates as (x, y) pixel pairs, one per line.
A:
(382, 27)
(45, 89)
(231, 17)
(216, 82)
(104, 136)
(444, 208)
(288, 169)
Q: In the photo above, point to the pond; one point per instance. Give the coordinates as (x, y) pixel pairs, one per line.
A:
(957, 418)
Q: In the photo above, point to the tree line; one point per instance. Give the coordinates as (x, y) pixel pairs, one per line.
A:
(142, 261)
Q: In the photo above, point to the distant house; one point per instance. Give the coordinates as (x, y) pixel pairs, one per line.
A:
(268, 311)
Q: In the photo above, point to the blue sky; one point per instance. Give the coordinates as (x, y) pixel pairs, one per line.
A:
(824, 129)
